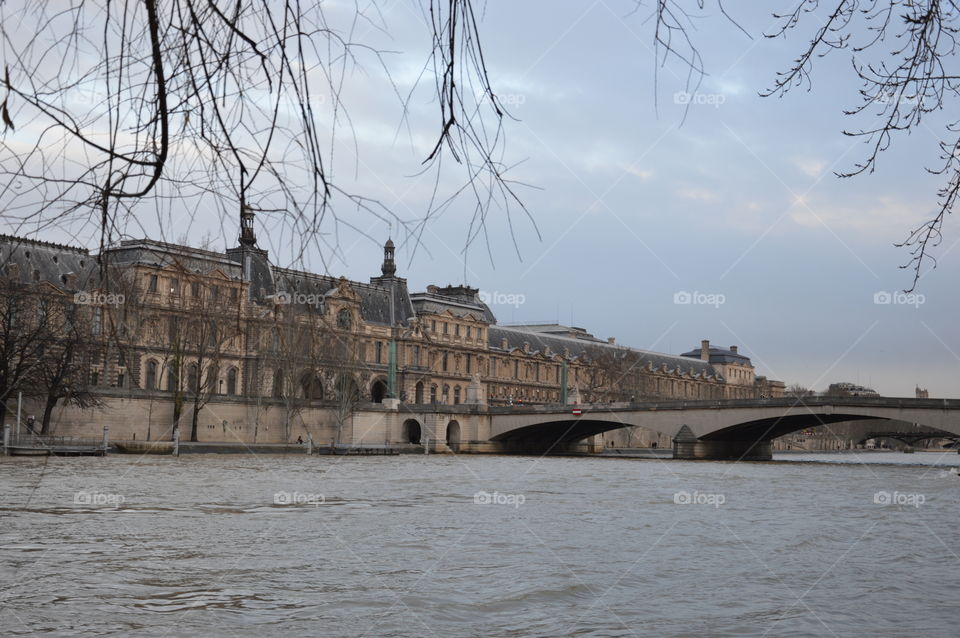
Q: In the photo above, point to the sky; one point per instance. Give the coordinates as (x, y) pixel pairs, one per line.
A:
(659, 217)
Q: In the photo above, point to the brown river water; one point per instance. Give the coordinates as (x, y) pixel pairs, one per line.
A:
(237, 546)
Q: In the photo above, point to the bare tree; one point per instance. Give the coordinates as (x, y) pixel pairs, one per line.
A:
(63, 365)
(235, 99)
(797, 391)
(293, 334)
(24, 334)
(901, 54)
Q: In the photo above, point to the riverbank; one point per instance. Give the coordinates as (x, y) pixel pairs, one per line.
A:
(167, 448)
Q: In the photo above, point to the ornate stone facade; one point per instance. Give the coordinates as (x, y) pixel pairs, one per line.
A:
(198, 326)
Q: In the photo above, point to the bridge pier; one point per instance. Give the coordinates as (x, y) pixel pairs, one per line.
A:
(723, 450)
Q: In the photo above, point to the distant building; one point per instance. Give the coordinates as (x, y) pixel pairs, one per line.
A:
(845, 389)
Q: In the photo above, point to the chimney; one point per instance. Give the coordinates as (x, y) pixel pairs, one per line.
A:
(705, 350)
(503, 344)
(733, 349)
(611, 340)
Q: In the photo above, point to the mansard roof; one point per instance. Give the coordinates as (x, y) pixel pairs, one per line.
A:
(516, 336)
(38, 261)
(149, 252)
(461, 305)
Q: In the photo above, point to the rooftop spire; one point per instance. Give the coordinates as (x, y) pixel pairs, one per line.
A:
(389, 268)
(247, 237)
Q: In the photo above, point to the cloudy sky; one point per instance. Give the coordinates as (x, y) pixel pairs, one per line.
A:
(659, 222)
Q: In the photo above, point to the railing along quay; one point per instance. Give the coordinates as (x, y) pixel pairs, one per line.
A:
(31, 444)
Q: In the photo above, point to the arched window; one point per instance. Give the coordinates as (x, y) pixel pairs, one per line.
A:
(311, 387)
(445, 397)
(418, 394)
(232, 382)
(378, 391)
(456, 394)
(278, 384)
(433, 394)
(193, 378)
(151, 381)
(344, 319)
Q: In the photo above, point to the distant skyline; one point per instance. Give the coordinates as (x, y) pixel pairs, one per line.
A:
(643, 204)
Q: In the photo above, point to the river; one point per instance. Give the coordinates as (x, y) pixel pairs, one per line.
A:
(237, 546)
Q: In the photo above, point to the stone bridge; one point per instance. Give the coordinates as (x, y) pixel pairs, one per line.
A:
(716, 429)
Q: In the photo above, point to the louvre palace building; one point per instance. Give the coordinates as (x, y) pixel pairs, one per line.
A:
(227, 346)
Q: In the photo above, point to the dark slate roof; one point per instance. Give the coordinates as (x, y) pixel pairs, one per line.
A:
(52, 263)
(581, 347)
(459, 306)
(375, 297)
(157, 253)
(720, 355)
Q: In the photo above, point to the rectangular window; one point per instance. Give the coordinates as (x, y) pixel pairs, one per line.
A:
(456, 330)
(516, 369)
(194, 288)
(469, 361)
(469, 331)
(378, 349)
(493, 367)
(174, 286)
(416, 355)
(433, 325)
(96, 326)
(215, 292)
(152, 285)
(233, 294)
(446, 327)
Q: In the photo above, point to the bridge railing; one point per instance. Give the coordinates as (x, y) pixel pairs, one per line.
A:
(687, 404)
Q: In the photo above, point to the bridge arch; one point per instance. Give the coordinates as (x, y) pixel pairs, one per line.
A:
(731, 428)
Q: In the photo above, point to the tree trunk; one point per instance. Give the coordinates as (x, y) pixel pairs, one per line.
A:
(177, 411)
(193, 422)
(47, 412)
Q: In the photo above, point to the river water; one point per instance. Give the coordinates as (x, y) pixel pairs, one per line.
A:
(236, 546)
